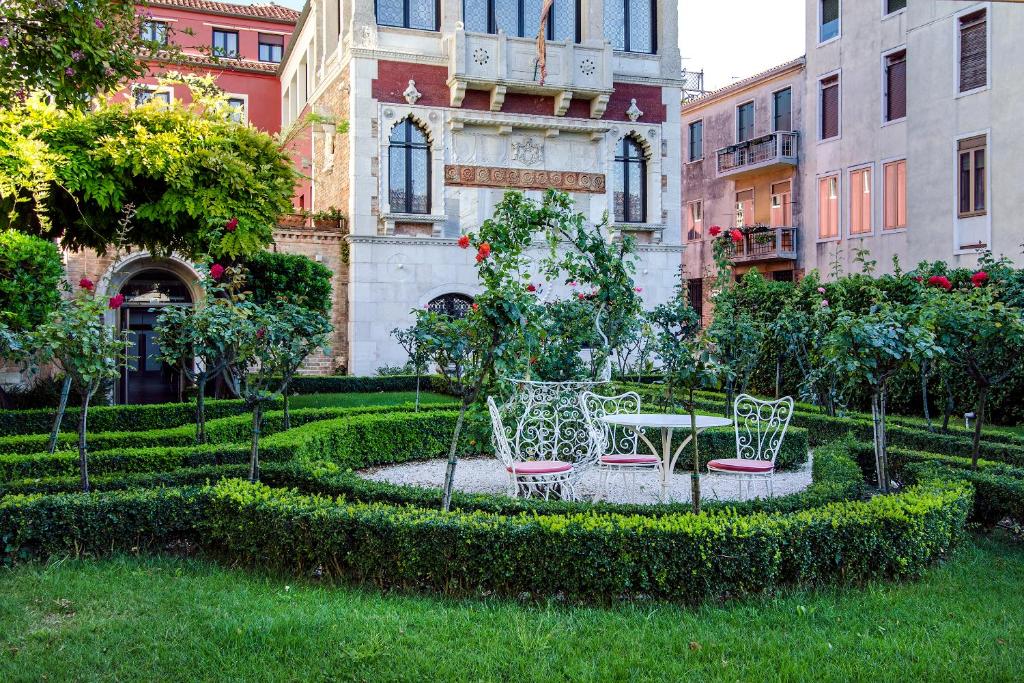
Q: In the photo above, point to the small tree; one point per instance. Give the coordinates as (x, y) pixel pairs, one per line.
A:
(409, 340)
(982, 337)
(77, 339)
(870, 349)
(296, 333)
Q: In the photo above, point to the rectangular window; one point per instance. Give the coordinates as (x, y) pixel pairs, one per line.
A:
(418, 14)
(154, 32)
(782, 205)
(271, 48)
(896, 86)
(522, 18)
(828, 207)
(971, 169)
(744, 208)
(695, 295)
(225, 44)
(894, 6)
(695, 220)
(894, 175)
(629, 25)
(828, 11)
(782, 106)
(696, 140)
(973, 51)
(236, 109)
(860, 202)
(744, 122)
(829, 107)
(145, 94)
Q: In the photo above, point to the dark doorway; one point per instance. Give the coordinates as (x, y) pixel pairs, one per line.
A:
(144, 377)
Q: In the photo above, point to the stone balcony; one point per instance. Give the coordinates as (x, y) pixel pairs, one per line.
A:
(500, 64)
(766, 152)
(772, 244)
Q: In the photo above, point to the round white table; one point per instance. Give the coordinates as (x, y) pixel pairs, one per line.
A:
(667, 424)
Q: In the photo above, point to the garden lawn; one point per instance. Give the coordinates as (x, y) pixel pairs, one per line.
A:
(132, 618)
(354, 400)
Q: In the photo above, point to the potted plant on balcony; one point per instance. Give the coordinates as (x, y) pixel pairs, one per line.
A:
(293, 220)
(328, 219)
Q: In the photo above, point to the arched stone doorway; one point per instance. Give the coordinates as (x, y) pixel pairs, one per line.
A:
(148, 284)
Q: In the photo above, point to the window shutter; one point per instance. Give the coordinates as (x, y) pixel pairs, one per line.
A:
(830, 108)
(896, 87)
(973, 52)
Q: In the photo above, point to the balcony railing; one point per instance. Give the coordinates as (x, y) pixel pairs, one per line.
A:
(774, 149)
(499, 63)
(773, 244)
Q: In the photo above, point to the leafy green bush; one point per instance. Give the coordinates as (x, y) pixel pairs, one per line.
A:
(297, 279)
(30, 274)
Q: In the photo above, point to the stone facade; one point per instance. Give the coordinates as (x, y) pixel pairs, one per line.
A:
(489, 125)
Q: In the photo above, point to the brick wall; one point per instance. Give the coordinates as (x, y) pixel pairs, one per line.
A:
(332, 174)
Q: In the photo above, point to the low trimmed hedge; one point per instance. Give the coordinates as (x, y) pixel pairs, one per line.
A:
(344, 384)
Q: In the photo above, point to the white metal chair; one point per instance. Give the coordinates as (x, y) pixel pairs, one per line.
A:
(760, 429)
(530, 477)
(616, 447)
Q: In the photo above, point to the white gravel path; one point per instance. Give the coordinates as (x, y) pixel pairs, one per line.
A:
(486, 475)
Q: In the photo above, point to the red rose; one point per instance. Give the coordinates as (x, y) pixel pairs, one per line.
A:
(582, 296)
(918, 279)
(479, 258)
(736, 235)
(940, 281)
(715, 231)
(484, 251)
(464, 242)
(231, 225)
(116, 301)
(86, 284)
(979, 278)
(531, 288)
(261, 333)
(217, 271)
(476, 307)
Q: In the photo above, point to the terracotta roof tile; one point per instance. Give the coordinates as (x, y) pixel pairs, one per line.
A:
(268, 11)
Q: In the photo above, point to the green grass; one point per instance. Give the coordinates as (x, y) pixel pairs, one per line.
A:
(147, 619)
(351, 400)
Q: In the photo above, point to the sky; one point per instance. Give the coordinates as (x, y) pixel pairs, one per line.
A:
(729, 39)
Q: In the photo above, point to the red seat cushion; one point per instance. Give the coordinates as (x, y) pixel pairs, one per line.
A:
(630, 460)
(741, 465)
(540, 467)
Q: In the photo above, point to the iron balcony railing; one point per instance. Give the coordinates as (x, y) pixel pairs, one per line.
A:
(768, 150)
(773, 244)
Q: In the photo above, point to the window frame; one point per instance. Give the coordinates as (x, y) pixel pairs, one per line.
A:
(155, 22)
(753, 120)
(839, 23)
(775, 109)
(886, 121)
(225, 32)
(838, 176)
(156, 91)
(244, 99)
(839, 106)
(771, 202)
(695, 235)
(886, 14)
(260, 44)
(883, 229)
(958, 21)
(626, 24)
(737, 204)
(406, 14)
(408, 147)
(492, 27)
(971, 153)
(621, 157)
(689, 141)
(872, 193)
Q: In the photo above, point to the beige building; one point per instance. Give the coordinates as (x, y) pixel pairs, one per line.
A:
(742, 148)
(912, 145)
(447, 110)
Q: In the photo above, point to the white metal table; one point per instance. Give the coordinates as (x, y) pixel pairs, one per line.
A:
(667, 423)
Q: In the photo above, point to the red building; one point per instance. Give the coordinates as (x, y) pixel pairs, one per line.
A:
(242, 45)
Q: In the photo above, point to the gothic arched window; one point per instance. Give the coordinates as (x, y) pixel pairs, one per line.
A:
(630, 182)
(454, 305)
(409, 162)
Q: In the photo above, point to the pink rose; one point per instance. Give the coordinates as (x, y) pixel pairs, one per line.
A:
(217, 271)
(231, 225)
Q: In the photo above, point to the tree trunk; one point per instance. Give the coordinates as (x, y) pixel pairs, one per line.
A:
(877, 419)
(695, 474)
(65, 389)
(950, 404)
(287, 410)
(884, 439)
(201, 409)
(83, 458)
(254, 455)
(924, 396)
(979, 419)
(417, 390)
(449, 474)
(778, 376)
(729, 391)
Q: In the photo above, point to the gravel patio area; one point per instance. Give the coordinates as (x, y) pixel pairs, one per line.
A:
(486, 475)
